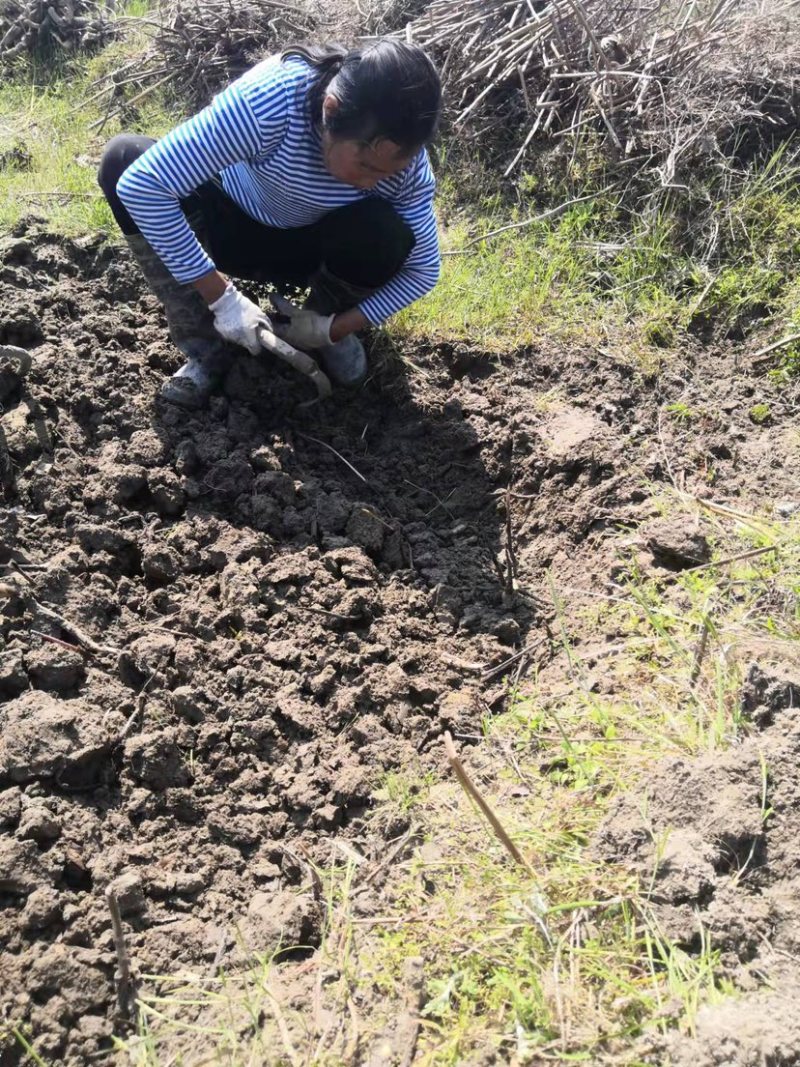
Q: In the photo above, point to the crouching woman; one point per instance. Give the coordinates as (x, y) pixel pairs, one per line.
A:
(310, 171)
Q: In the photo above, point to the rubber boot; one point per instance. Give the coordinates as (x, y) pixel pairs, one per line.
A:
(344, 361)
(191, 328)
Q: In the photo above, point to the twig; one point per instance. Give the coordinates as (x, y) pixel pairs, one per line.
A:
(126, 993)
(283, 1029)
(551, 213)
(74, 630)
(330, 448)
(460, 664)
(393, 854)
(783, 343)
(439, 502)
(317, 888)
(141, 700)
(490, 672)
(408, 1024)
(57, 641)
(732, 559)
(511, 559)
(472, 791)
(700, 650)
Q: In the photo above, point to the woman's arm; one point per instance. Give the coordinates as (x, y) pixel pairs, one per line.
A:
(211, 286)
(243, 122)
(420, 272)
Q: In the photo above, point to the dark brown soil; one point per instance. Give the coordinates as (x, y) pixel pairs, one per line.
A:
(270, 631)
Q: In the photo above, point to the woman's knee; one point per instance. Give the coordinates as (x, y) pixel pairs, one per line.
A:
(368, 242)
(119, 153)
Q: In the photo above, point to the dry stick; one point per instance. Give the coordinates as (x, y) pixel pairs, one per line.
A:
(141, 700)
(408, 1025)
(56, 641)
(783, 343)
(511, 562)
(700, 650)
(283, 1029)
(330, 448)
(471, 790)
(490, 672)
(395, 852)
(98, 124)
(732, 559)
(126, 994)
(461, 664)
(75, 631)
(542, 100)
(552, 212)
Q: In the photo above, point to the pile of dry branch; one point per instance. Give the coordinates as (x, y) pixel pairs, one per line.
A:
(31, 28)
(675, 82)
(198, 47)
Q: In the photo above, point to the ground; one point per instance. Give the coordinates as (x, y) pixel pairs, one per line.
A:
(225, 632)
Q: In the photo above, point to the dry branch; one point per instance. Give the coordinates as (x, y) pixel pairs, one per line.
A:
(672, 83)
(31, 28)
(195, 49)
(472, 791)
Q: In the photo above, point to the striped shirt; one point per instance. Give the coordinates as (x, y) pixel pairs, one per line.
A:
(257, 136)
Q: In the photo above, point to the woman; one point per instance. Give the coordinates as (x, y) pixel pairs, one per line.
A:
(310, 170)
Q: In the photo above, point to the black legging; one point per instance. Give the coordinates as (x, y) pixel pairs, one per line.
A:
(364, 244)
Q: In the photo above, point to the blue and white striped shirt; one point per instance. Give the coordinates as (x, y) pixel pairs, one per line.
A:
(258, 137)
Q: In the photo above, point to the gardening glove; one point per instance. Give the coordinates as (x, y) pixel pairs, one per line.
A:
(238, 319)
(305, 329)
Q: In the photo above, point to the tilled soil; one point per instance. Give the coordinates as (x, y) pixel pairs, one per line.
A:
(221, 630)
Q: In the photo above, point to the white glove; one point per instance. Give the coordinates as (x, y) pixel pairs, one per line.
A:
(306, 329)
(237, 319)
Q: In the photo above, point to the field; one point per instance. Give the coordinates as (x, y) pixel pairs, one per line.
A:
(557, 527)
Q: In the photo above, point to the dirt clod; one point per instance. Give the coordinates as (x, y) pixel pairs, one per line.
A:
(285, 920)
(676, 546)
(55, 668)
(44, 737)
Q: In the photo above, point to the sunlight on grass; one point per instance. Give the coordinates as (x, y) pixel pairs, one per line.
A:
(49, 150)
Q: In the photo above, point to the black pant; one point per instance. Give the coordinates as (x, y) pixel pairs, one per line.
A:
(363, 244)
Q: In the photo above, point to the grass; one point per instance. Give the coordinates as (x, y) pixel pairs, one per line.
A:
(602, 275)
(572, 963)
(50, 145)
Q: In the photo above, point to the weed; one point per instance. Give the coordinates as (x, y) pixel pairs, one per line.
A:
(760, 414)
(404, 790)
(48, 125)
(681, 412)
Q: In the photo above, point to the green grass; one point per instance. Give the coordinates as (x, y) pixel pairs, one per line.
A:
(601, 275)
(570, 963)
(45, 117)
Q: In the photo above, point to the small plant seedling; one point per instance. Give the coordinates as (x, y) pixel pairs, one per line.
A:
(760, 414)
(681, 412)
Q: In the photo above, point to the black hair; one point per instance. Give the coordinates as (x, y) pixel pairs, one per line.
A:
(387, 89)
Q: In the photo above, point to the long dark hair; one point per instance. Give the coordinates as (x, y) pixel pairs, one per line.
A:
(386, 89)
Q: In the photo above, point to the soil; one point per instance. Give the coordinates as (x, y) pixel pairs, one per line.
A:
(718, 839)
(220, 630)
